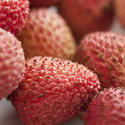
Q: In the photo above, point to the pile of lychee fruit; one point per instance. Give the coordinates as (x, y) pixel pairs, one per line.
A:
(56, 62)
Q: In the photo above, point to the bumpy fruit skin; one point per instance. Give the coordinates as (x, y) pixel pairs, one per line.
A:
(12, 63)
(104, 53)
(13, 14)
(47, 34)
(120, 10)
(86, 16)
(43, 3)
(53, 91)
(107, 108)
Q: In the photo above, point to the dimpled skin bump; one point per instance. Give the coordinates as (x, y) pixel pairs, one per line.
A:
(12, 63)
(107, 108)
(47, 34)
(13, 14)
(53, 91)
(104, 53)
(43, 3)
(120, 10)
(86, 16)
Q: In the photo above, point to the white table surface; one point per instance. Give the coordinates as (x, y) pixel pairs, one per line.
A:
(8, 114)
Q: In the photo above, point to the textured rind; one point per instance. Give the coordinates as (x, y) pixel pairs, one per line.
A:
(13, 14)
(104, 53)
(86, 16)
(47, 34)
(120, 10)
(12, 63)
(53, 91)
(43, 3)
(107, 108)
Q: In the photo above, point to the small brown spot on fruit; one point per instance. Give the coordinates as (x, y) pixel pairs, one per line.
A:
(101, 57)
(115, 60)
(110, 67)
(120, 49)
(42, 95)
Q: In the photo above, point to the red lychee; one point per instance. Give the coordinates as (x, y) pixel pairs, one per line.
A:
(47, 34)
(13, 14)
(104, 53)
(12, 63)
(53, 91)
(86, 16)
(107, 108)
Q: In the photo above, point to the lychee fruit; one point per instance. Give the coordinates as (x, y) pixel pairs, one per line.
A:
(107, 108)
(104, 53)
(86, 16)
(43, 3)
(47, 34)
(120, 10)
(12, 63)
(53, 91)
(13, 14)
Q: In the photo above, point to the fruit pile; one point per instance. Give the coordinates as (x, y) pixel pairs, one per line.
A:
(57, 63)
